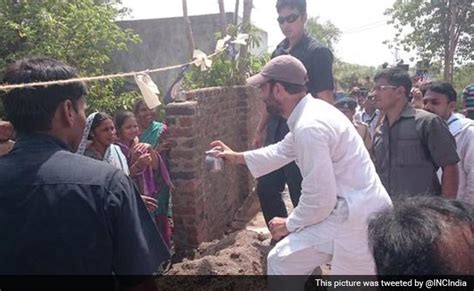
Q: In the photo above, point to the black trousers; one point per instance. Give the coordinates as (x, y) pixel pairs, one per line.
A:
(271, 186)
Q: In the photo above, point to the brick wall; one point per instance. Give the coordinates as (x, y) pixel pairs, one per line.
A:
(204, 203)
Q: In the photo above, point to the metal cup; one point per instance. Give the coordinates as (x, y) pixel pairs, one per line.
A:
(212, 162)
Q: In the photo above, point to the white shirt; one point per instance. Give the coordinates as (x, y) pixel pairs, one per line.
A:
(463, 131)
(333, 161)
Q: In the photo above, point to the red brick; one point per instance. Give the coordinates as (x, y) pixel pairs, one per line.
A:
(181, 154)
(189, 143)
(183, 175)
(186, 121)
(182, 132)
(181, 109)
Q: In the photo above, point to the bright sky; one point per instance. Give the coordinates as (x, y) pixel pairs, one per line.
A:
(361, 21)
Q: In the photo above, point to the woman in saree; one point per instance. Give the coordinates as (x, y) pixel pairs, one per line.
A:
(144, 177)
(156, 134)
(97, 143)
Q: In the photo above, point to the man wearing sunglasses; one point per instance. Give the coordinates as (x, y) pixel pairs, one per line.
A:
(412, 144)
(317, 60)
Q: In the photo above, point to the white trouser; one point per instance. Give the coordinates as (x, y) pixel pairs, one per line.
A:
(336, 239)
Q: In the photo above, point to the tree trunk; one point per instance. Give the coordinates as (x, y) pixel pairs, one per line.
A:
(222, 17)
(248, 5)
(450, 45)
(243, 62)
(236, 12)
(189, 30)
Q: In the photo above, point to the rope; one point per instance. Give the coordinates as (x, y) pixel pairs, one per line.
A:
(97, 78)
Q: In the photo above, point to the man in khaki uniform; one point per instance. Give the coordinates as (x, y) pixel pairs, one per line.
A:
(348, 107)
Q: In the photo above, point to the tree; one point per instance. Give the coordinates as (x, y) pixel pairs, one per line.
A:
(80, 33)
(326, 32)
(347, 75)
(351, 75)
(246, 28)
(223, 18)
(438, 30)
(189, 29)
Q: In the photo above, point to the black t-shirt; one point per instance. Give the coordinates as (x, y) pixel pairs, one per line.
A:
(316, 58)
(67, 214)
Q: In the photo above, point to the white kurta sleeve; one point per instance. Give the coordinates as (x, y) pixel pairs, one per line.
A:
(318, 193)
(270, 158)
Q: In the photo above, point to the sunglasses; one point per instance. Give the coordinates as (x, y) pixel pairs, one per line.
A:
(290, 18)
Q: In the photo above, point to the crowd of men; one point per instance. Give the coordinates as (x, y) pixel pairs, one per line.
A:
(377, 185)
(420, 147)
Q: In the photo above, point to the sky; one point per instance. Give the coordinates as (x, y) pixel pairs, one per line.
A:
(363, 25)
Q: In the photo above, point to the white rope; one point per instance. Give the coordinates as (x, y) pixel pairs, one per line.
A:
(97, 78)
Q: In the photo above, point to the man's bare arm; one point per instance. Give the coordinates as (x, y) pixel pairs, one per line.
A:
(450, 181)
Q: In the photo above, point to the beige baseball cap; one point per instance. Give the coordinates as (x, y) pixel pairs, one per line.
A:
(283, 68)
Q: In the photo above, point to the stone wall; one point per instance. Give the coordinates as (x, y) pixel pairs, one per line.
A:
(204, 203)
(164, 43)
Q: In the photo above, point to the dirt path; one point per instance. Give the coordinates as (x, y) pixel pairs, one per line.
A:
(241, 252)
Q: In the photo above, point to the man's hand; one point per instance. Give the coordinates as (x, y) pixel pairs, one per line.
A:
(227, 153)
(258, 140)
(278, 228)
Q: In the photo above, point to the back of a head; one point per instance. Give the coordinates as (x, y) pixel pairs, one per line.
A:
(395, 77)
(32, 109)
(468, 96)
(415, 236)
(298, 4)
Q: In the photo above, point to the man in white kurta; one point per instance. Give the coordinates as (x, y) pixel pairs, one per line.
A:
(340, 188)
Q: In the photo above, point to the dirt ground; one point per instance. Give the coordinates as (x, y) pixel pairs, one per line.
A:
(242, 251)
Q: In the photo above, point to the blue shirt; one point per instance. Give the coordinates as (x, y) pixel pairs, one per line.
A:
(63, 213)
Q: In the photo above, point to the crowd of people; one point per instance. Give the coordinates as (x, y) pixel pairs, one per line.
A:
(381, 181)
(400, 145)
(138, 145)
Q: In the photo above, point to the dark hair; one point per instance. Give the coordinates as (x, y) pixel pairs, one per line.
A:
(121, 117)
(289, 87)
(395, 77)
(298, 4)
(407, 239)
(32, 109)
(137, 105)
(441, 88)
(98, 119)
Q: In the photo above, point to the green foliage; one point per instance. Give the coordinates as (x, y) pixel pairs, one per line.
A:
(463, 76)
(423, 26)
(347, 75)
(326, 32)
(351, 75)
(80, 33)
(225, 70)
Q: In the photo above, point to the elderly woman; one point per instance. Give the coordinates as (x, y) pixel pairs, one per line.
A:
(97, 143)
